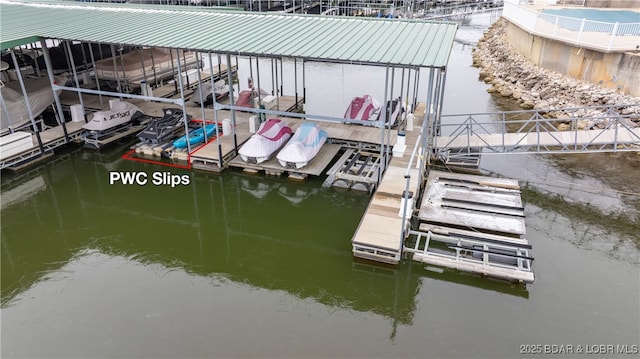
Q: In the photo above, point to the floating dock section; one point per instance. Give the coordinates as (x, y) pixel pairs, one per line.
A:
(379, 235)
(473, 223)
(465, 222)
(51, 138)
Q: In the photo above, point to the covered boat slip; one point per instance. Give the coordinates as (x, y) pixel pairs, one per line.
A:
(209, 157)
(167, 89)
(216, 156)
(406, 45)
(403, 43)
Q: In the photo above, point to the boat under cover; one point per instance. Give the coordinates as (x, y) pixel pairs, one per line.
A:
(303, 146)
(152, 64)
(363, 108)
(121, 113)
(14, 113)
(196, 136)
(220, 89)
(271, 135)
(82, 54)
(395, 110)
(164, 128)
(248, 98)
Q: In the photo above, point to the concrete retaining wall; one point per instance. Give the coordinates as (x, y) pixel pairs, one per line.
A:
(616, 70)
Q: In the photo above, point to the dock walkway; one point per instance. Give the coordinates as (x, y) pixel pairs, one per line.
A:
(379, 234)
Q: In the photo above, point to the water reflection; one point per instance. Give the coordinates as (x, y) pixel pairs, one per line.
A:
(296, 193)
(232, 225)
(91, 269)
(258, 188)
(22, 191)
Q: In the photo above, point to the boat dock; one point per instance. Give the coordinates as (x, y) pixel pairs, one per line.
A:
(389, 163)
(216, 156)
(466, 222)
(379, 234)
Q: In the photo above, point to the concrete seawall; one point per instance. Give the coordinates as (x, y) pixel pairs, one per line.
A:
(617, 71)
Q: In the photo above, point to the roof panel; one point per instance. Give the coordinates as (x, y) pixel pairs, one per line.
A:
(398, 42)
(344, 48)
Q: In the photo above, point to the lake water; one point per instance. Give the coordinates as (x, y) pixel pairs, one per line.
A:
(260, 267)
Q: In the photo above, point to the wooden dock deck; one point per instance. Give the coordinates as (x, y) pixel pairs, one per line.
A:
(379, 234)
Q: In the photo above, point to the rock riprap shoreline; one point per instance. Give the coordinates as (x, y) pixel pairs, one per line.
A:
(513, 75)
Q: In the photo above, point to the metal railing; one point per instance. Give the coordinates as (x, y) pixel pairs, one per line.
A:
(603, 36)
(615, 129)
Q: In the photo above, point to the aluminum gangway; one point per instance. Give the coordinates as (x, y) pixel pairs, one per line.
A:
(573, 130)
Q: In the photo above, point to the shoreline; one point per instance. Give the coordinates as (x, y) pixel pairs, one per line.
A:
(514, 76)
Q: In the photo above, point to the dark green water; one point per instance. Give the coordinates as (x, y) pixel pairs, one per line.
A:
(250, 266)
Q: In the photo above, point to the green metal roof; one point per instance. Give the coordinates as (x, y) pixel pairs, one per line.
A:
(397, 42)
